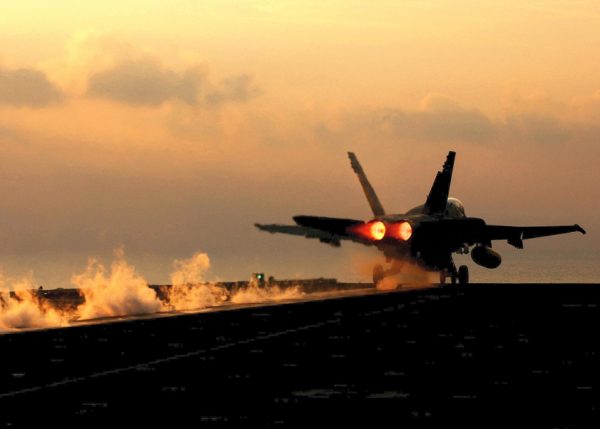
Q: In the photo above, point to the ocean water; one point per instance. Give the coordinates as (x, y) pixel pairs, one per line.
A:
(53, 270)
(538, 266)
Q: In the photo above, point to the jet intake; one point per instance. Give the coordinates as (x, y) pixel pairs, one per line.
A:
(486, 257)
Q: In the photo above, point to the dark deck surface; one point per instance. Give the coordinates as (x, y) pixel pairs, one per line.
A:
(487, 355)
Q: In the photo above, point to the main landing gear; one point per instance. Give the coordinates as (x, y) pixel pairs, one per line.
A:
(461, 276)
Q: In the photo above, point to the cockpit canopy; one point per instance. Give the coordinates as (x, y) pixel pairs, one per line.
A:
(454, 208)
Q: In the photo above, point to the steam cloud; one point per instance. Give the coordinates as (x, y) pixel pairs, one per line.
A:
(411, 274)
(189, 291)
(24, 309)
(121, 291)
(253, 294)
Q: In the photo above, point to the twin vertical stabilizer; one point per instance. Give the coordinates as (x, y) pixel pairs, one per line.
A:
(376, 206)
(436, 200)
(438, 196)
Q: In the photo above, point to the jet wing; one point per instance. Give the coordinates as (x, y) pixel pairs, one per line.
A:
(515, 235)
(325, 229)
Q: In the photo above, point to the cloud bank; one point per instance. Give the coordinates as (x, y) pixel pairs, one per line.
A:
(26, 87)
(146, 82)
(440, 119)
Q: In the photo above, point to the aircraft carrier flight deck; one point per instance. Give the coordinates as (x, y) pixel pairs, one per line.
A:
(486, 355)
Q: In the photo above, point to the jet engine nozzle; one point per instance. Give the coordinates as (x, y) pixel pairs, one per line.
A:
(374, 230)
(377, 230)
(486, 257)
(400, 230)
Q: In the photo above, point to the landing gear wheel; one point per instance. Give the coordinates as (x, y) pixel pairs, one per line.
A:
(454, 277)
(378, 274)
(442, 277)
(463, 275)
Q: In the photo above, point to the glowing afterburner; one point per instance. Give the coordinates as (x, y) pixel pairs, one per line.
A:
(400, 231)
(374, 230)
(377, 230)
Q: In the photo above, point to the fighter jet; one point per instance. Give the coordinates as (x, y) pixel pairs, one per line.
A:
(427, 235)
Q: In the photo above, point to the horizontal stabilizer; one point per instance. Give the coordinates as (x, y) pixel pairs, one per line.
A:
(322, 236)
(332, 225)
(328, 230)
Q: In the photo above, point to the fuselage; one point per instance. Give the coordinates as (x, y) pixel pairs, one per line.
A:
(432, 242)
(428, 234)
(454, 210)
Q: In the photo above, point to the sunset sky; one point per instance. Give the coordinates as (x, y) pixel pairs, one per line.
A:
(171, 127)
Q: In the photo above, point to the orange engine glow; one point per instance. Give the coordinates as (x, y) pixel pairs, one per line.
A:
(372, 230)
(402, 231)
(377, 230)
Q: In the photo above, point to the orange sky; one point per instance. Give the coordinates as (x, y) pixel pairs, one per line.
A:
(170, 127)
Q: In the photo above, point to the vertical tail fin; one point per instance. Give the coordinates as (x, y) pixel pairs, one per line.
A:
(376, 206)
(438, 196)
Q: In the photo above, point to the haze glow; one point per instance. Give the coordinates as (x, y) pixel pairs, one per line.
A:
(171, 127)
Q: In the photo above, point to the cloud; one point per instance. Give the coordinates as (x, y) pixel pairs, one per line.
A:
(8, 134)
(238, 88)
(440, 119)
(146, 82)
(539, 128)
(27, 88)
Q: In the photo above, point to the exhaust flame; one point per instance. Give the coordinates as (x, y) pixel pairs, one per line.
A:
(116, 293)
(377, 230)
(372, 230)
(24, 308)
(402, 230)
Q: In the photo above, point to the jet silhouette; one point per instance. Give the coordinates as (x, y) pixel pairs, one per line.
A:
(427, 235)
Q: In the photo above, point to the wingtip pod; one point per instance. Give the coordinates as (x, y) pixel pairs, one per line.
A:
(579, 228)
